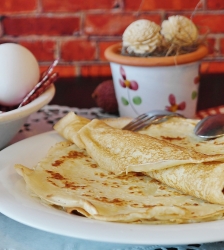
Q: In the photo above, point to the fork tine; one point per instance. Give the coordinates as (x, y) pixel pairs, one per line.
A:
(144, 120)
(134, 121)
(139, 123)
(151, 114)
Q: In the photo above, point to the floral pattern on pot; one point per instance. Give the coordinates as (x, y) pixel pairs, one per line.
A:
(194, 95)
(129, 85)
(197, 80)
(173, 105)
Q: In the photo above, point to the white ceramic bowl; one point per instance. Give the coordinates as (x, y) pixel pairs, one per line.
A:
(12, 121)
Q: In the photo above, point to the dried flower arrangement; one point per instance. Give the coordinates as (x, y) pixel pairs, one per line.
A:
(140, 73)
(177, 35)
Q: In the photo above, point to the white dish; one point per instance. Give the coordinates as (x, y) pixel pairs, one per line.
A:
(16, 203)
(12, 121)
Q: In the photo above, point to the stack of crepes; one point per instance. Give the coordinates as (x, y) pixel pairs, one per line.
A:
(160, 175)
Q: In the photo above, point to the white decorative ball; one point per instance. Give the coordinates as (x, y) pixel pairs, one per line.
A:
(19, 73)
(142, 36)
(179, 30)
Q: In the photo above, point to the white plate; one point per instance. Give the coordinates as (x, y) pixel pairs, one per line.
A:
(18, 205)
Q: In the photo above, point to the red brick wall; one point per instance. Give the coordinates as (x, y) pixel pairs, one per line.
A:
(78, 31)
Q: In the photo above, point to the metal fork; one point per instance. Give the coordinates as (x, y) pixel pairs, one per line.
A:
(151, 117)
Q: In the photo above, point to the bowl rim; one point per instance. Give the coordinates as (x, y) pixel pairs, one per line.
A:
(30, 108)
(113, 54)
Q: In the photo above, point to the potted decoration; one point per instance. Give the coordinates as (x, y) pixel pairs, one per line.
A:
(157, 67)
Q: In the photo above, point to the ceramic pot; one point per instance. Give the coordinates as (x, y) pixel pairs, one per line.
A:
(166, 83)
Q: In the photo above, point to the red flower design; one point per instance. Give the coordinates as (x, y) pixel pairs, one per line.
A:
(127, 83)
(196, 80)
(174, 106)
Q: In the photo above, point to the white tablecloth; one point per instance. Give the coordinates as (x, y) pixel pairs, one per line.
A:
(16, 236)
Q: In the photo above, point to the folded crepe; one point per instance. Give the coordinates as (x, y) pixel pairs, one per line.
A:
(209, 178)
(69, 179)
(121, 151)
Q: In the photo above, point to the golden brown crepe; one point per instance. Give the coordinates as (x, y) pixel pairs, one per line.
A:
(203, 180)
(180, 131)
(116, 150)
(121, 151)
(70, 179)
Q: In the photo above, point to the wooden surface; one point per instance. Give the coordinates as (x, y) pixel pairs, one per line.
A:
(76, 92)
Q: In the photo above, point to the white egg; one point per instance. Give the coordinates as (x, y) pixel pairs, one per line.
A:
(19, 73)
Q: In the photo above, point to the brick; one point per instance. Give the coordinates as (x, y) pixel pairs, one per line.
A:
(112, 24)
(107, 24)
(154, 18)
(222, 46)
(42, 50)
(103, 46)
(161, 5)
(52, 26)
(215, 4)
(62, 70)
(132, 5)
(212, 67)
(78, 50)
(17, 6)
(71, 5)
(212, 23)
(211, 42)
(95, 70)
